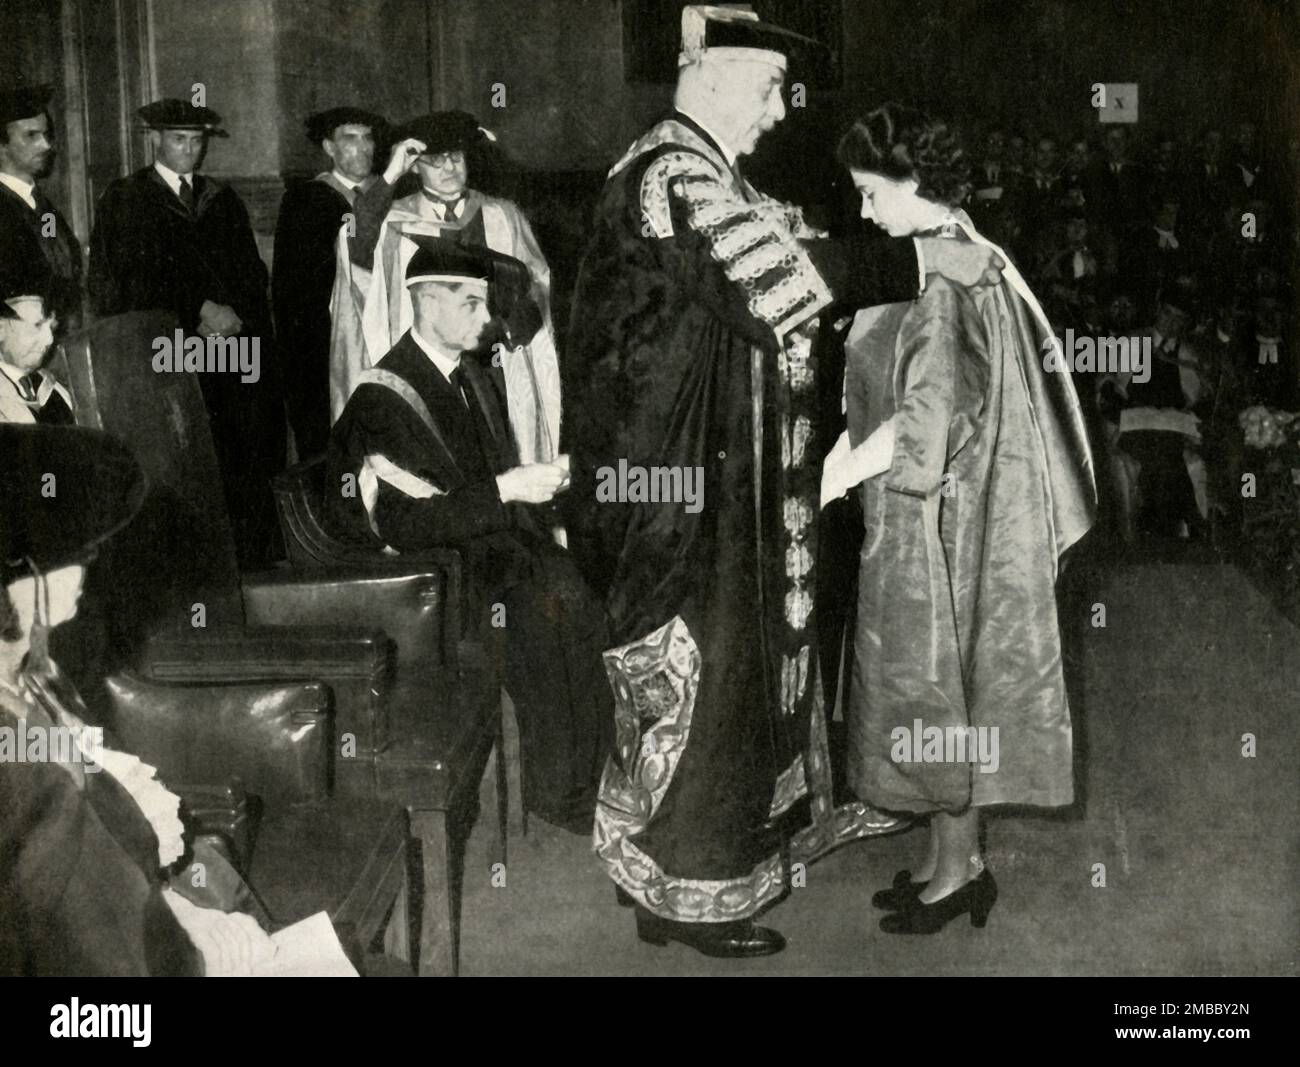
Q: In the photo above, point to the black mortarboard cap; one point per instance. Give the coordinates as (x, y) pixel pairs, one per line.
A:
(172, 114)
(733, 31)
(23, 102)
(446, 131)
(98, 487)
(321, 126)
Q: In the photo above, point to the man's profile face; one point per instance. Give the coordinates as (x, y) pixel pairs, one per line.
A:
(351, 148)
(453, 316)
(750, 94)
(444, 174)
(1076, 232)
(179, 150)
(26, 340)
(26, 151)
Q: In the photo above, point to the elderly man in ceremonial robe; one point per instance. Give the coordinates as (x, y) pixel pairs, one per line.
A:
(691, 348)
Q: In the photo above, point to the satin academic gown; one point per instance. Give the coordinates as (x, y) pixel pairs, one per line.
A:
(991, 481)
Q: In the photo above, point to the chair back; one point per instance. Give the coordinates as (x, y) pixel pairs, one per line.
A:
(179, 551)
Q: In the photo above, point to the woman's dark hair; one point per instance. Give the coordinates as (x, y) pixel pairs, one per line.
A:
(900, 142)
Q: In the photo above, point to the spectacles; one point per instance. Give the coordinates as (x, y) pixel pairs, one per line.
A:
(443, 158)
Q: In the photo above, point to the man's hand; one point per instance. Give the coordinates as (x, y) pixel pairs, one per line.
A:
(533, 483)
(964, 262)
(403, 157)
(219, 319)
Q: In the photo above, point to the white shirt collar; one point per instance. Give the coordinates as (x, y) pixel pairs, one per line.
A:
(26, 190)
(445, 363)
(172, 179)
(443, 210)
(49, 384)
(344, 180)
(727, 153)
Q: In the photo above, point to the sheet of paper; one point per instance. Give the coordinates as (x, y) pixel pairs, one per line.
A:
(308, 949)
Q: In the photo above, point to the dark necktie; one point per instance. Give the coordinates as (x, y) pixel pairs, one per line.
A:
(458, 383)
(186, 193)
(55, 411)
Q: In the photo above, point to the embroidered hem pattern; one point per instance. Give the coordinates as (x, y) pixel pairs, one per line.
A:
(655, 680)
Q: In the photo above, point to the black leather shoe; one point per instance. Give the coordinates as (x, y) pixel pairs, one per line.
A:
(732, 940)
(975, 897)
(901, 895)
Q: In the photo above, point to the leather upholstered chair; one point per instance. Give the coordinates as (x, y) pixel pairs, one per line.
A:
(384, 635)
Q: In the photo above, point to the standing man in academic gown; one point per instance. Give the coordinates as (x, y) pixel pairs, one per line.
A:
(168, 237)
(692, 348)
(302, 274)
(36, 242)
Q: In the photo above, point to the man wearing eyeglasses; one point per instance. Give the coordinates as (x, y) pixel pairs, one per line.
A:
(372, 307)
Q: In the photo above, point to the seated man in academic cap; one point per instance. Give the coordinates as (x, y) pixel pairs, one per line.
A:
(302, 275)
(422, 457)
(36, 242)
(372, 307)
(168, 237)
(27, 393)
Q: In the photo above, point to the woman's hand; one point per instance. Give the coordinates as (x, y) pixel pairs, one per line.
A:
(847, 466)
(834, 470)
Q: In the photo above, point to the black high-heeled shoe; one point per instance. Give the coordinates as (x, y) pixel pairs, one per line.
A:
(976, 897)
(902, 894)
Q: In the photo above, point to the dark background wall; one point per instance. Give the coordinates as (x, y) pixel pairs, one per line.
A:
(569, 106)
(1026, 64)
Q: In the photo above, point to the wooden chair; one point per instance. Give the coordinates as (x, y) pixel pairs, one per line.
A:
(387, 640)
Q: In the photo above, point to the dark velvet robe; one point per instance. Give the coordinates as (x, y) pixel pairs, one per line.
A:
(53, 262)
(147, 251)
(991, 481)
(302, 278)
(431, 483)
(691, 347)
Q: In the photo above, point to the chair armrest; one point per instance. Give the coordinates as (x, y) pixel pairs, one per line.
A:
(413, 609)
(272, 737)
(356, 664)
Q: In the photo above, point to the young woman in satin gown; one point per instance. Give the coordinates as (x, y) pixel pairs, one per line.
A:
(975, 476)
